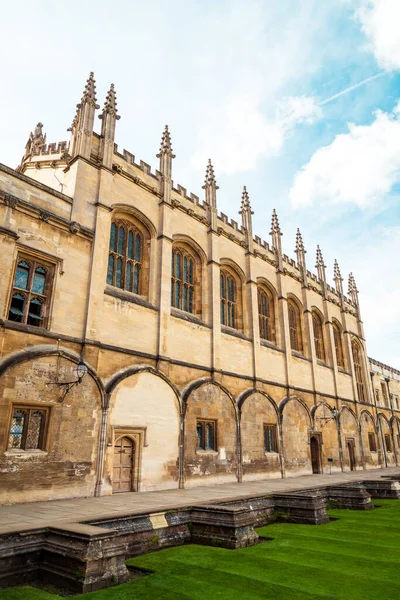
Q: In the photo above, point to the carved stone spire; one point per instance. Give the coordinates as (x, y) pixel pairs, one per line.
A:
(246, 212)
(210, 192)
(352, 290)
(338, 279)
(300, 250)
(320, 266)
(36, 142)
(166, 155)
(108, 120)
(82, 125)
(276, 235)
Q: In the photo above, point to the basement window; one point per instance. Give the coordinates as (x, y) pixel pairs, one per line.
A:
(206, 435)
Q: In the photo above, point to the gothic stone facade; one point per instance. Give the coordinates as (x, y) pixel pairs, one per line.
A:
(211, 356)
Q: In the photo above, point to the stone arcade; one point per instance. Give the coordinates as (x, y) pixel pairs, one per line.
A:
(211, 356)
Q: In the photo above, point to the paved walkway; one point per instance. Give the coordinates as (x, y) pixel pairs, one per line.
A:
(18, 517)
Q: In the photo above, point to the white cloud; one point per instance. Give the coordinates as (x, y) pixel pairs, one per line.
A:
(380, 22)
(240, 133)
(357, 168)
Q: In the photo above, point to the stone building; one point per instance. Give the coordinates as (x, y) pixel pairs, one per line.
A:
(148, 342)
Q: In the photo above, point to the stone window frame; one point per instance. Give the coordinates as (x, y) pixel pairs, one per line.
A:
(338, 344)
(388, 442)
(228, 269)
(295, 323)
(266, 321)
(385, 395)
(205, 422)
(357, 356)
(34, 259)
(318, 334)
(273, 428)
(44, 428)
(138, 435)
(186, 249)
(372, 441)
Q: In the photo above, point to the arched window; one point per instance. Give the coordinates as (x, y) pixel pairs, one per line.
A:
(182, 280)
(228, 299)
(337, 338)
(296, 340)
(266, 315)
(318, 336)
(125, 259)
(358, 370)
(31, 292)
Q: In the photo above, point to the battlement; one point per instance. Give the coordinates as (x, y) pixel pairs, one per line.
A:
(52, 148)
(383, 367)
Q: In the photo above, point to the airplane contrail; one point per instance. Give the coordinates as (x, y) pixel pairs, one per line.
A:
(352, 87)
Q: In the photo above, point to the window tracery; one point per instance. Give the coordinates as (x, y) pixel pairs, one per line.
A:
(125, 258)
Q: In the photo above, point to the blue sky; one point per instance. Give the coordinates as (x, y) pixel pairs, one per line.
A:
(243, 83)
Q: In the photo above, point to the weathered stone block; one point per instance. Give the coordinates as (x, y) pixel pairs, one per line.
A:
(383, 488)
(224, 526)
(354, 497)
(305, 507)
(261, 508)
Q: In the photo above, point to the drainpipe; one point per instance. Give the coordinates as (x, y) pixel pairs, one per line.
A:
(102, 446)
(382, 441)
(390, 396)
(281, 447)
(239, 448)
(182, 449)
(337, 419)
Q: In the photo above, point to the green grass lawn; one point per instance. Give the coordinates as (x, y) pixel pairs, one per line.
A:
(355, 557)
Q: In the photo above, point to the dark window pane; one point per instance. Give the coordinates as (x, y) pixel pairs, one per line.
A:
(34, 428)
(222, 283)
(121, 240)
(17, 429)
(177, 294)
(191, 292)
(209, 436)
(35, 312)
(118, 274)
(138, 247)
(199, 435)
(22, 276)
(190, 271)
(39, 280)
(185, 298)
(113, 237)
(222, 313)
(173, 264)
(17, 308)
(178, 265)
(130, 244)
(110, 270)
(136, 279)
(128, 276)
(185, 269)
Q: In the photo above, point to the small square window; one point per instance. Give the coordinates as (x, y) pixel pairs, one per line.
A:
(27, 428)
(270, 438)
(206, 435)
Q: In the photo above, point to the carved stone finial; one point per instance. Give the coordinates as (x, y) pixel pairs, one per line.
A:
(166, 145)
(35, 142)
(89, 93)
(336, 272)
(210, 180)
(75, 120)
(110, 104)
(299, 243)
(352, 285)
(320, 261)
(275, 229)
(245, 205)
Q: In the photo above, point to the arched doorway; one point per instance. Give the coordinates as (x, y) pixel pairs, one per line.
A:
(315, 455)
(124, 450)
(352, 454)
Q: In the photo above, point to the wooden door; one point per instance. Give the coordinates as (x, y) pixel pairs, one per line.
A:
(123, 465)
(352, 455)
(315, 462)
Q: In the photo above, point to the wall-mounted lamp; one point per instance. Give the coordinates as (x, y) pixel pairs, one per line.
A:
(80, 371)
(332, 417)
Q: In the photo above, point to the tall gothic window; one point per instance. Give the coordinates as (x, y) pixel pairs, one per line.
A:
(318, 336)
(30, 297)
(358, 370)
(296, 341)
(182, 280)
(266, 317)
(125, 259)
(337, 337)
(228, 299)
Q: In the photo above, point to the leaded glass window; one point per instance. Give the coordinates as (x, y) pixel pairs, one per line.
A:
(182, 280)
(358, 370)
(125, 258)
(270, 438)
(228, 299)
(318, 336)
(206, 435)
(337, 337)
(27, 428)
(266, 315)
(31, 292)
(296, 341)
